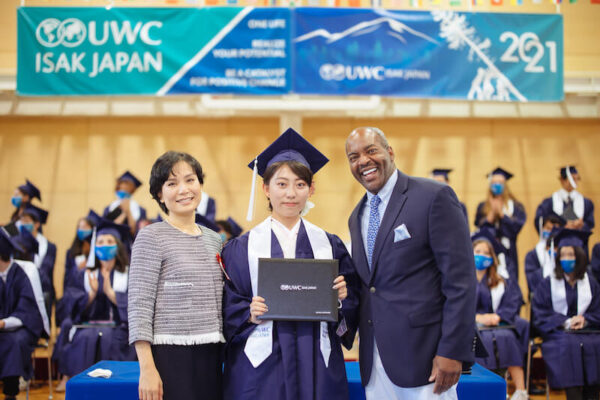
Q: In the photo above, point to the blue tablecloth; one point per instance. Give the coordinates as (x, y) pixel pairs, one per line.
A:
(122, 385)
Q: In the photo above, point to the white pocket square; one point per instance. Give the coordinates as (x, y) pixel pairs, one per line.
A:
(401, 233)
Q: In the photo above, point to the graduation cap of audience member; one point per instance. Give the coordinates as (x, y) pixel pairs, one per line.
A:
(487, 234)
(570, 237)
(236, 229)
(38, 214)
(441, 172)
(567, 172)
(500, 171)
(202, 220)
(93, 217)
(8, 245)
(31, 190)
(128, 176)
(27, 241)
(289, 146)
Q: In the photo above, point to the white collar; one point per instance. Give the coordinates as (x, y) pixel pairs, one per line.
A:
(566, 195)
(386, 191)
(289, 232)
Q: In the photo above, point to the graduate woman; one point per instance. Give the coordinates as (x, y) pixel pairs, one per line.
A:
(279, 360)
(98, 300)
(176, 290)
(505, 214)
(498, 303)
(566, 310)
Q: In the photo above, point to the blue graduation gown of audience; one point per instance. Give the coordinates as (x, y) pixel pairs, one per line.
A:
(17, 300)
(546, 208)
(595, 261)
(511, 344)
(534, 265)
(571, 359)
(295, 370)
(45, 260)
(507, 230)
(80, 348)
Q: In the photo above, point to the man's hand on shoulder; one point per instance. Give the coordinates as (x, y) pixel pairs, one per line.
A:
(445, 372)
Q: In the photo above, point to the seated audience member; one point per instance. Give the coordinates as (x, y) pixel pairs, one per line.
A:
(503, 333)
(505, 214)
(124, 209)
(441, 175)
(566, 310)
(228, 229)
(96, 326)
(21, 318)
(22, 196)
(539, 263)
(32, 219)
(567, 202)
(596, 261)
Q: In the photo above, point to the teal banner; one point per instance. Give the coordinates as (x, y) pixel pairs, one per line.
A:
(147, 51)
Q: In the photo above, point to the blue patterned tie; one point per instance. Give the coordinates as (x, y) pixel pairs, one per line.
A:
(373, 227)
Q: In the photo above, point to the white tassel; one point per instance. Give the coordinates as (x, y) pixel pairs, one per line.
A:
(552, 255)
(541, 224)
(250, 214)
(570, 177)
(91, 261)
(307, 207)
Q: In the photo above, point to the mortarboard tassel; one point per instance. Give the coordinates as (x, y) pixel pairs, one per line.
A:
(570, 177)
(540, 224)
(250, 214)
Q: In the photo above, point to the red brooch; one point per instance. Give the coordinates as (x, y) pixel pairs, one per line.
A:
(220, 261)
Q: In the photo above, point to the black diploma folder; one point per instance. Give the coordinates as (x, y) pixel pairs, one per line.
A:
(297, 289)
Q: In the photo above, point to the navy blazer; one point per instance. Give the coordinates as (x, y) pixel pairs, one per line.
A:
(419, 299)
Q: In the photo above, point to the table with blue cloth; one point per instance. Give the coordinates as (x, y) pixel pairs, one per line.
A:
(123, 384)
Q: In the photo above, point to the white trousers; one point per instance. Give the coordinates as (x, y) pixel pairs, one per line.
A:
(380, 387)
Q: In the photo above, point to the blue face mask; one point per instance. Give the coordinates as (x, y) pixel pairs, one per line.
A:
(483, 262)
(223, 237)
(83, 234)
(27, 227)
(497, 188)
(121, 194)
(106, 253)
(16, 201)
(545, 235)
(567, 265)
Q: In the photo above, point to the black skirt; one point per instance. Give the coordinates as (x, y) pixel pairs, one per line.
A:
(190, 372)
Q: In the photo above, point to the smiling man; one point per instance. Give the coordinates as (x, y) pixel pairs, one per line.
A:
(411, 247)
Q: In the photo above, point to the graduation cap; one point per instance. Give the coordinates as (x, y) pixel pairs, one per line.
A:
(108, 227)
(487, 234)
(202, 220)
(441, 172)
(31, 190)
(236, 229)
(27, 241)
(567, 172)
(38, 214)
(8, 245)
(289, 146)
(128, 176)
(571, 237)
(500, 171)
(93, 217)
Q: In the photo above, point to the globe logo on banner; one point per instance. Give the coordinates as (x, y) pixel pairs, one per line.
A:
(332, 72)
(51, 32)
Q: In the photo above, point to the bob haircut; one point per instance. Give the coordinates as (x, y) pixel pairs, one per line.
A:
(163, 168)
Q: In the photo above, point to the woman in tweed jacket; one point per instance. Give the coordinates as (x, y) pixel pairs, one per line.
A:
(175, 290)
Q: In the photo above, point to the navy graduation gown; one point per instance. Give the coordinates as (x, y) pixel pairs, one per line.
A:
(510, 344)
(17, 300)
(91, 344)
(464, 210)
(46, 270)
(295, 370)
(545, 208)
(571, 359)
(508, 227)
(595, 262)
(533, 270)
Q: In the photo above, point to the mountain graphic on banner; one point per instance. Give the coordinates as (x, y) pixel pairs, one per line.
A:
(395, 29)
